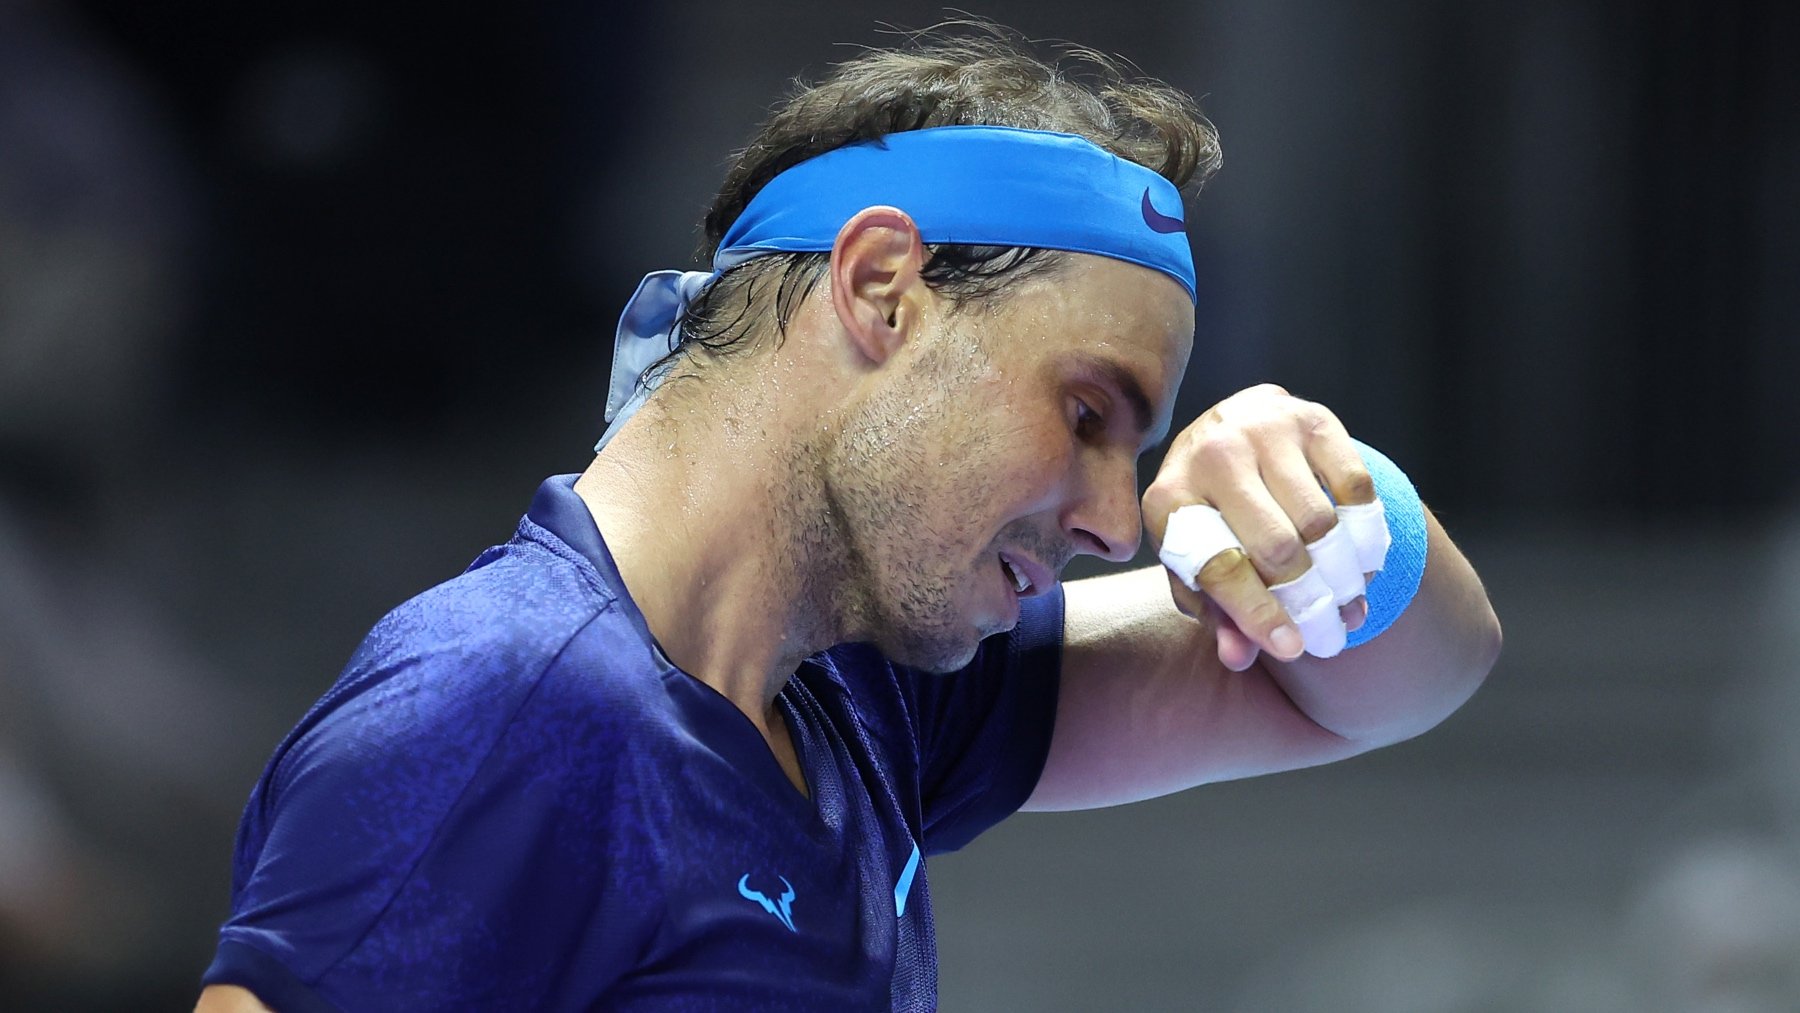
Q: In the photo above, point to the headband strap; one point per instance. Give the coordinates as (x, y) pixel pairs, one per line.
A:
(986, 186)
(975, 185)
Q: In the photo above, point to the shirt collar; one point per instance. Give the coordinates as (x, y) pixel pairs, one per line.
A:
(557, 509)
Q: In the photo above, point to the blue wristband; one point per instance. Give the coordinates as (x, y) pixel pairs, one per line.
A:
(1392, 589)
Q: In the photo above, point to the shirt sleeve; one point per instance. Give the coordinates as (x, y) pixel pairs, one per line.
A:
(340, 819)
(431, 841)
(984, 732)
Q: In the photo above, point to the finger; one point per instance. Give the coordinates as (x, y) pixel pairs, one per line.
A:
(1188, 602)
(1269, 537)
(1194, 534)
(1236, 651)
(1329, 545)
(1333, 457)
(1216, 457)
(1291, 482)
(1165, 496)
(1231, 580)
(1367, 525)
(1310, 603)
(1272, 556)
(1358, 610)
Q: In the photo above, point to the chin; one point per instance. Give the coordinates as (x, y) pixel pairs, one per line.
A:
(939, 655)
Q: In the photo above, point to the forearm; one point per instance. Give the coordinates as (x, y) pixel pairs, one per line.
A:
(1416, 673)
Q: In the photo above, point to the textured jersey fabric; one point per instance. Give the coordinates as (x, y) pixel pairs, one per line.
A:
(511, 800)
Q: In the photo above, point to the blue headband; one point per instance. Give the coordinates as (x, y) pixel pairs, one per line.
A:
(984, 186)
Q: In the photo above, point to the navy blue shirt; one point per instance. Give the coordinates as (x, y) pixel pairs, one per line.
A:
(511, 800)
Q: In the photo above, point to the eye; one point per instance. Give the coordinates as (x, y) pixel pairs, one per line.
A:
(1088, 422)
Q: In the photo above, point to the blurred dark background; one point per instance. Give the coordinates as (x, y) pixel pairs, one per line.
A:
(297, 305)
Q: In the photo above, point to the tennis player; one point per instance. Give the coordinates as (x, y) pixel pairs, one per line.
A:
(690, 737)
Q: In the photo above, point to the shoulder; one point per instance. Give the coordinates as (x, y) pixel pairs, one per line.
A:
(525, 634)
(480, 735)
(518, 602)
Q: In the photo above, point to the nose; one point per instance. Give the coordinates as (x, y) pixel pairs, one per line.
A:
(1103, 518)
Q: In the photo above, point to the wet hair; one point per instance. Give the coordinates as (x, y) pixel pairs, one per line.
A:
(964, 73)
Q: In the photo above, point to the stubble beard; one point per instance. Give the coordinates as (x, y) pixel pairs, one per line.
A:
(896, 480)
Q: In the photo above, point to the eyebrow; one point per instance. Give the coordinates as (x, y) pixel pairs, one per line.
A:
(1143, 416)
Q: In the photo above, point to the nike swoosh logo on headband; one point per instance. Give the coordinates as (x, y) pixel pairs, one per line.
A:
(1158, 221)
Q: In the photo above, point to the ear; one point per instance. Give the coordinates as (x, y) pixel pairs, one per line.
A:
(875, 285)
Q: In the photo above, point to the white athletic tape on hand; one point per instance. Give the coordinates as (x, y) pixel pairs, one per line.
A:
(1301, 593)
(1322, 629)
(1357, 544)
(1310, 603)
(1369, 530)
(1195, 534)
(1334, 555)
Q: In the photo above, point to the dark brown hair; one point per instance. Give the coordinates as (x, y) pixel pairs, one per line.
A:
(938, 78)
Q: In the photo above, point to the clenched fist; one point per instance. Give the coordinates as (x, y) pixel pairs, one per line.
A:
(1264, 460)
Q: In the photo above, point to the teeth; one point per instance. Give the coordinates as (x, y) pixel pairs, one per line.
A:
(1018, 579)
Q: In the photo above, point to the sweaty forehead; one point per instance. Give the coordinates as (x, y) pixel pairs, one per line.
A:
(1121, 312)
(1111, 300)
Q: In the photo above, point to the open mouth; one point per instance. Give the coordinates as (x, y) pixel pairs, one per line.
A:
(1020, 583)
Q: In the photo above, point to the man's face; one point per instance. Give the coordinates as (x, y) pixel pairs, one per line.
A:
(1004, 443)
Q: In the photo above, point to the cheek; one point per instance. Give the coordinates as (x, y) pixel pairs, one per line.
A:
(1030, 469)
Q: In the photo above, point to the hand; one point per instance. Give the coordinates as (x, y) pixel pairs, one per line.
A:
(1258, 457)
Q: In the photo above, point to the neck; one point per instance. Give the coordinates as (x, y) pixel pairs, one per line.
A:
(723, 538)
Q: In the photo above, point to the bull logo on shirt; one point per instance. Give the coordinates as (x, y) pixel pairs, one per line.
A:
(781, 908)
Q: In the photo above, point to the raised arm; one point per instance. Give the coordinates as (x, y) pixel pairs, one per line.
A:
(1164, 688)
